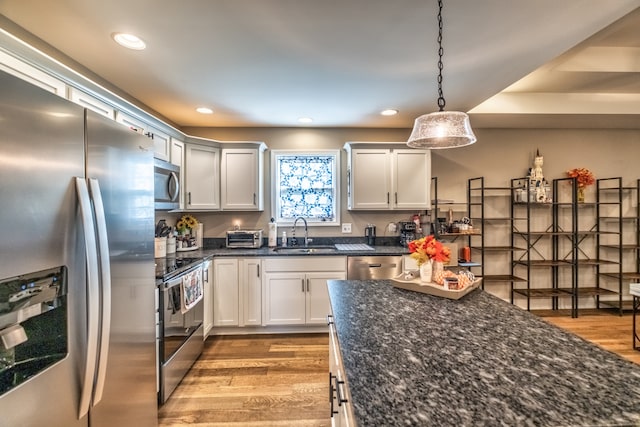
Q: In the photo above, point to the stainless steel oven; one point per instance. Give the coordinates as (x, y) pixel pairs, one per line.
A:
(180, 326)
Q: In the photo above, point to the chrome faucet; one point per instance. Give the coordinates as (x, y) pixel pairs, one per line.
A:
(306, 232)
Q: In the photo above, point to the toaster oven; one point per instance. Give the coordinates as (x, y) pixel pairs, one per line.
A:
(244, 238)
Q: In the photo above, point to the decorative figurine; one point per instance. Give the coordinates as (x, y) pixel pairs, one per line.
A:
(537, 183)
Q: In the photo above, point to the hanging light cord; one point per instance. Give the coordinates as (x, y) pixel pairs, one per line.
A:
(441, 101)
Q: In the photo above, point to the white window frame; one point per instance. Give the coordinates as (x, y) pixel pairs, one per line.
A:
(275, 190)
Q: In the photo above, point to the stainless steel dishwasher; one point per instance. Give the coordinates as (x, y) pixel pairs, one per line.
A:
(373, 267)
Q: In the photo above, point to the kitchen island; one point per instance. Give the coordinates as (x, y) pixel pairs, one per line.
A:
(415, 359)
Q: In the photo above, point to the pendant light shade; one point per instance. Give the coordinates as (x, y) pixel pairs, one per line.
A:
(442, 129)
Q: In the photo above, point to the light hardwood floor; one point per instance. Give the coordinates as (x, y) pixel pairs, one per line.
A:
(282, 380)
(256, 380)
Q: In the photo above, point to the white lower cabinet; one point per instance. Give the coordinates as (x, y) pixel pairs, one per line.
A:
(207, 281)
(295, 289)
(226, 286)
(237, 292)
(339, 396)
(250, 292)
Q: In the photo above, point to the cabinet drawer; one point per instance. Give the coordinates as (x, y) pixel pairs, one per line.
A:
(307, 263)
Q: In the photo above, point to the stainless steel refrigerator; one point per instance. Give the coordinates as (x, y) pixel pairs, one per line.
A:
(77, 276)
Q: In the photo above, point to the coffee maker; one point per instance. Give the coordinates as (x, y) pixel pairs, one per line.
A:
(407, 232)
(370, 234)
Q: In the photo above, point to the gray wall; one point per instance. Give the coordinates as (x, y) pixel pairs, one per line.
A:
(499, 155)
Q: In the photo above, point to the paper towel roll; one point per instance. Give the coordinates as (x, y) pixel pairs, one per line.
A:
(273, 235)
(199, 234)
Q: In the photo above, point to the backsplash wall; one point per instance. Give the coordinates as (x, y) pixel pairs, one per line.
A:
(499, 155)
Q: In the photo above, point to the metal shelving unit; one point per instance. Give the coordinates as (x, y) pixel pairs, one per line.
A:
(572, 239)
(618, 218)
(500, 219)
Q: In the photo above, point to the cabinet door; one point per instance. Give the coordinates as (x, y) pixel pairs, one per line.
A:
(32, 75)
(240, 179)
(92, 103)
(161, 144)
(177, 158)
(207, 280)
(317, 298)
(251, 291)
(202, 177)
(284, 299)
(225, 292)
(134, 124)
(411, 176)
(370, 179)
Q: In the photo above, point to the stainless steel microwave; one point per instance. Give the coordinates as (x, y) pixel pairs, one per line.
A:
(166, 185)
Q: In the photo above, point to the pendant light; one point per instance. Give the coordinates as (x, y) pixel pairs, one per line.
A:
(442, 129)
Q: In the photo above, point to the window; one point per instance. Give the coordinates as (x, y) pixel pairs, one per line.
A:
(305, 184)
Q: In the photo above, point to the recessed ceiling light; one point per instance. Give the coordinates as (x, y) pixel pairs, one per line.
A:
(305, 120)
(389, 112)
(204, 110)
(129, 41)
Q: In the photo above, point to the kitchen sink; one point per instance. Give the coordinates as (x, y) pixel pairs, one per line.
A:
(305, 249)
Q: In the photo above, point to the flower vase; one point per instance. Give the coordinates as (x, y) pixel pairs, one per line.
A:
(425, 271)
(580, 194)
(437, 270)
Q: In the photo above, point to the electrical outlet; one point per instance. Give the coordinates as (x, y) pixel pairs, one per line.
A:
(346, 227)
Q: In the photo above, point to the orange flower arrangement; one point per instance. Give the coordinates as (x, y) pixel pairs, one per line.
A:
(583, 176)
(428, 248)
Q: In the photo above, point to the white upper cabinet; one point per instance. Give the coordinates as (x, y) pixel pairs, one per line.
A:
(202, 177)
(161, 141)
(242, 178)
(161, 144)
(92, 103)
(177, 158)
(368, 177)
(31, 74)
(381, 176)
(411, 178)
(132, 123)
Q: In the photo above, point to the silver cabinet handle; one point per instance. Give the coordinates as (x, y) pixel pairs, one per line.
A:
(258, 269)
(396, 198)
(189, 197)
(307, 285)
(302, 280)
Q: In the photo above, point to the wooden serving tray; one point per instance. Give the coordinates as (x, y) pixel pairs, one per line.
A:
(432, 289)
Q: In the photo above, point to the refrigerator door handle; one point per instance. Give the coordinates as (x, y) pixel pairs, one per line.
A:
(93, 304)
(105, 287)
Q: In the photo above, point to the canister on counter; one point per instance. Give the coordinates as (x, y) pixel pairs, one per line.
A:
(465, 254)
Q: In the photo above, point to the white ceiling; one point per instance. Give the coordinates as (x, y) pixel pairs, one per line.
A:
(266, 63)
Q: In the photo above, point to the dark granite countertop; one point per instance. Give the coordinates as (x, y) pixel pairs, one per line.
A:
(269, 252)
(415, 359)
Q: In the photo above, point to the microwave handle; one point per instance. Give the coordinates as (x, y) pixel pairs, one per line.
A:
(174, 186)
